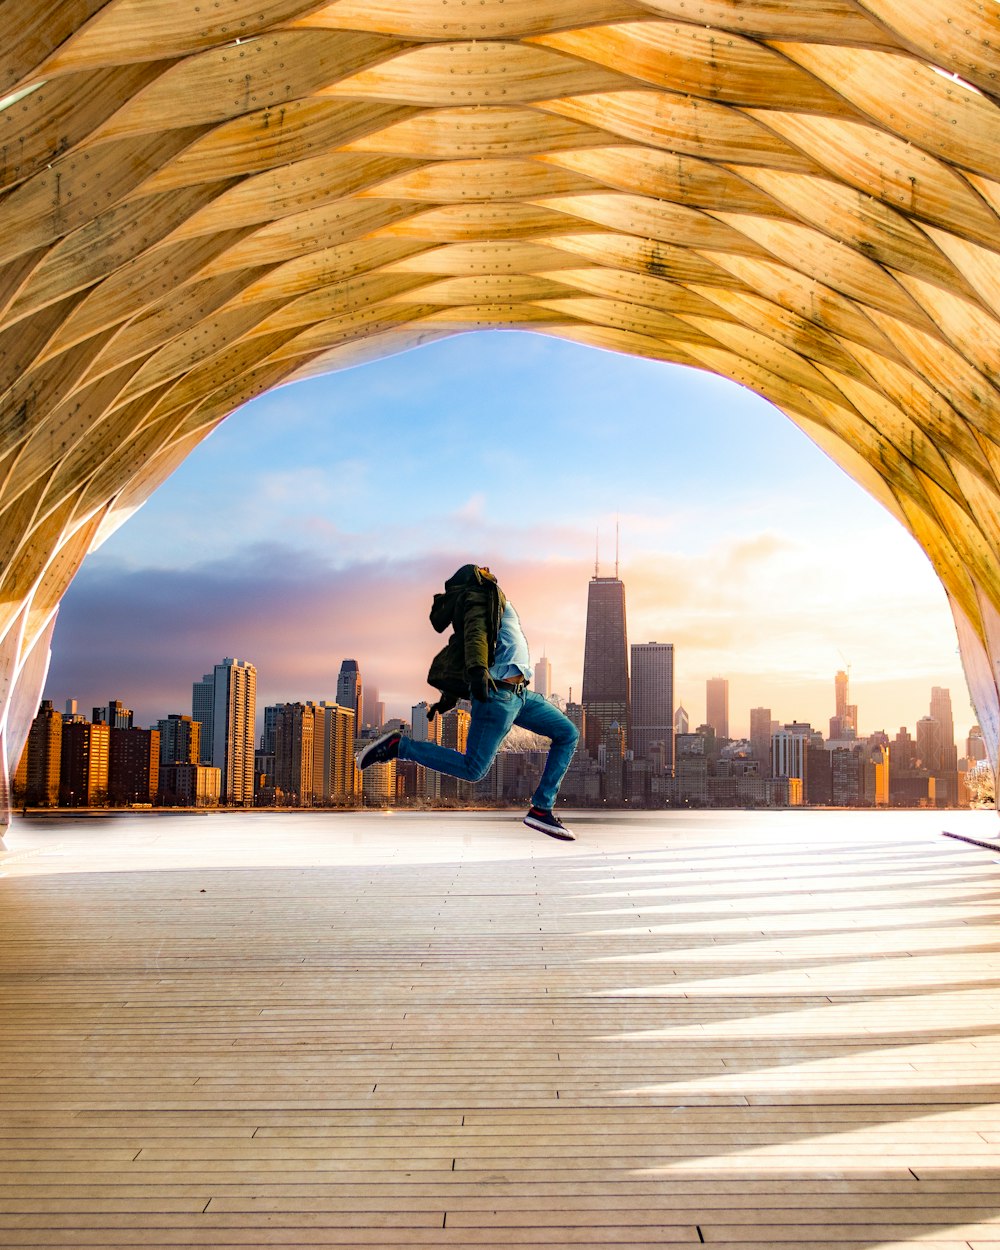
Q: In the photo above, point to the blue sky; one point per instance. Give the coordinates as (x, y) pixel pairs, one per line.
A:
(317, 521)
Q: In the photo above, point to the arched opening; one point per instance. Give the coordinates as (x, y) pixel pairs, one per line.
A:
(316, 522)
(802, 199)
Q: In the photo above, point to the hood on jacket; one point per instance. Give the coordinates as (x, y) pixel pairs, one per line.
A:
(463, 579)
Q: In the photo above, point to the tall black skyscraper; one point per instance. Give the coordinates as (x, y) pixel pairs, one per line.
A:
(605, 695)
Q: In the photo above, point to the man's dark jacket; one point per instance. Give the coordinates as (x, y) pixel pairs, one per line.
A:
(472, 604)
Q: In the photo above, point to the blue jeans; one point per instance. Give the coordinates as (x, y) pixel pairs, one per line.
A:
(491, 722)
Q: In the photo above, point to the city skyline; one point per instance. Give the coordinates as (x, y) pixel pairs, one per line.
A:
(795, 699)
(318, 522)
(305, 755)
(695, 704)
(653, 662)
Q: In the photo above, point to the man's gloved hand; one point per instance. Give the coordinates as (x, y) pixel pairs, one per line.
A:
(479, 684)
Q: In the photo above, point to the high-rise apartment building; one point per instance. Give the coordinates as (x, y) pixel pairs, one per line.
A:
(335, 775)
(455, 734)
(542, 679)
(904, 749)
(652, 691)
(372, 708)
(234, 709)
(83, 776)
(941, 711)
(426, 782)
(929, 744)
(37, 776)
(293, 754)
(180, 739)
(937, 750)
(320, 788)
(789, 751)
(574, 712)
(819, 770)
(421, 728)
(760, 737)
(202, 710)
(846, 776)
(455, 729)
(717, 706)
(270, 726)
(133, 765)
(605, 695)
(349, 691)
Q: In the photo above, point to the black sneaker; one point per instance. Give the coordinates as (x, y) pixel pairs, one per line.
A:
(548, 822)
(381, 751)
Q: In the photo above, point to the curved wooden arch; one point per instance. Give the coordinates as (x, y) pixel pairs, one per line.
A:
(201, 199)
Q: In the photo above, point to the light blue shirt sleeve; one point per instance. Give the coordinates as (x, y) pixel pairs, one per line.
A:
(512, 658)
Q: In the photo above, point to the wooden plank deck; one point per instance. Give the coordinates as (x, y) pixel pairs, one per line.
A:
(420, 1030)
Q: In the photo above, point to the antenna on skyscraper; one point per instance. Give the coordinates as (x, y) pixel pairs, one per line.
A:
(616, 547)
(597, 552)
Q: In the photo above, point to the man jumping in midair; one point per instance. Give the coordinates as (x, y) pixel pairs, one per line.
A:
(487, 660)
